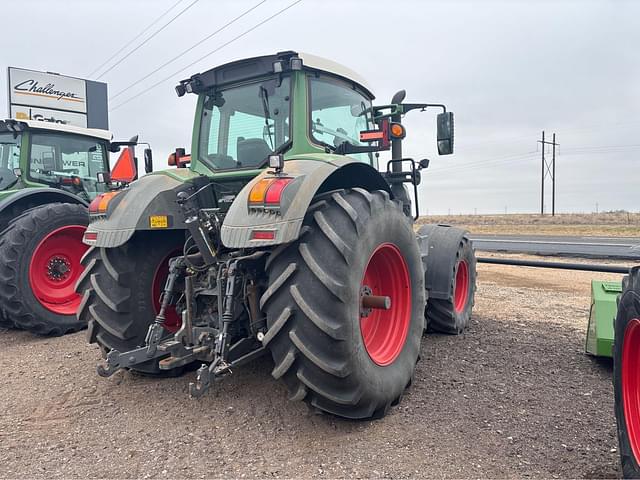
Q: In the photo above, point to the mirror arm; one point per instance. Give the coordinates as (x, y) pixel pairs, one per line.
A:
(407, 107)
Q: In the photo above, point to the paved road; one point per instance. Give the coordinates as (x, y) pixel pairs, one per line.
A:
(621, 248)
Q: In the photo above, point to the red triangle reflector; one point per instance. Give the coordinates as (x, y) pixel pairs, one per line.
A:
(125, 168)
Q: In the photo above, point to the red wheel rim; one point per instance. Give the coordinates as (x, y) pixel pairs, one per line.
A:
(461, 293)
(172, 320)
(384, 332)
(55, 267)
(631, 384)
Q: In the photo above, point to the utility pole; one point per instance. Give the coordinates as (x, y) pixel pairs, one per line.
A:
(553, 179)
(543, 175)
(548, 170)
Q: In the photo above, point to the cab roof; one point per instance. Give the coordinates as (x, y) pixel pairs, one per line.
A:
(254, 67)
(56, 127)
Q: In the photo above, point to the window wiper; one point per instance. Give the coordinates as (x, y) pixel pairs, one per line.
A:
(264, 96)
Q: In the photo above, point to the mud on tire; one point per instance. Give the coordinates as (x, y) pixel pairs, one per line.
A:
(40, 254)
(117, 291)
(626, 371)
(314, 313)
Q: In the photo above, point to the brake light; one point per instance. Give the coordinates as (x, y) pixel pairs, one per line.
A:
(101, 202)
(268, 191)
(263, 235)
(274, 192)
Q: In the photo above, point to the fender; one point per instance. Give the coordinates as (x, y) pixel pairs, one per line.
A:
(16, 203)
(130, 210)
(313, 174)
(438, 243)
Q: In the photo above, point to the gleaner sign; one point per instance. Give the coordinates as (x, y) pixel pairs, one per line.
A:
(56, 98)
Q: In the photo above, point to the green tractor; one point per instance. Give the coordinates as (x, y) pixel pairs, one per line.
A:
(281, 237)
(48, 175)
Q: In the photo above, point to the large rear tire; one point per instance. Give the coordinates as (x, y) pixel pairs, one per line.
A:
(330, 351)
(626, 374)
(121, 288)
(40, 254)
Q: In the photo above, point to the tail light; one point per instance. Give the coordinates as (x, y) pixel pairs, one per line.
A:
(101, 202)
(267, 192)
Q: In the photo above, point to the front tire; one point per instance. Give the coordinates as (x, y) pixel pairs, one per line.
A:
(40, 254)
(329, 350)
(120, 290)
(626, 374)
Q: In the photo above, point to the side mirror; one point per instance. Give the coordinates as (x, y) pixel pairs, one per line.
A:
(148, 160)
(424, 163)
(114, 147)
(445, 133)
(399, 97)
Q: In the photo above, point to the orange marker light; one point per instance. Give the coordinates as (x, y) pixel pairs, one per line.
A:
(397, 130)
(259, 190)
(100, 203)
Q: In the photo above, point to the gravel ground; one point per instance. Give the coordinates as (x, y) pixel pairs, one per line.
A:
(513, 397)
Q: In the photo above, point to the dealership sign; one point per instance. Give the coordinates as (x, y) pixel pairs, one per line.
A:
(50, 97)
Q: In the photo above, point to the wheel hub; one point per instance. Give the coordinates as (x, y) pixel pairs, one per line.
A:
(385, 304)
(55, 267)
(58, 268)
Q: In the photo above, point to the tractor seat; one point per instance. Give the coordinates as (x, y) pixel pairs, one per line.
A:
(252, 151)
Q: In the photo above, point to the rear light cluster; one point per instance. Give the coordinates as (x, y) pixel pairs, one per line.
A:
(101, 202)
(267, 192)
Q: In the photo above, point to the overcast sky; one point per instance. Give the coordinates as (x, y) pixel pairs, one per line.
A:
(508, 69)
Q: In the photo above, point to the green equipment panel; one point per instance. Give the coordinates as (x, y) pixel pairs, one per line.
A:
(601, 317)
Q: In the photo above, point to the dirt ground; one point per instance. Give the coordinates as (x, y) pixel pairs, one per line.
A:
(513, 397)
(610, 224)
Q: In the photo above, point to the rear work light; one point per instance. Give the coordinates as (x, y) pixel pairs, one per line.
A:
(267, 192)
(101, 202)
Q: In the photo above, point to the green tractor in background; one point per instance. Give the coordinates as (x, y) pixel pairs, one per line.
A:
(48, 175)
(283, 237)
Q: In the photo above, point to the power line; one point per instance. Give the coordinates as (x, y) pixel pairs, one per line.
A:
(134, 38)
(207, 55)
(484, 165)
(246, 12)
(174, 18)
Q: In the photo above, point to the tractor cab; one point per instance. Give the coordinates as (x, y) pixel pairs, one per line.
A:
(289, 103)
(298, 107)
(33, 154)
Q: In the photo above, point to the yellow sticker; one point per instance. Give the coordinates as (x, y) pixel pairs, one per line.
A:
(159, 221)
